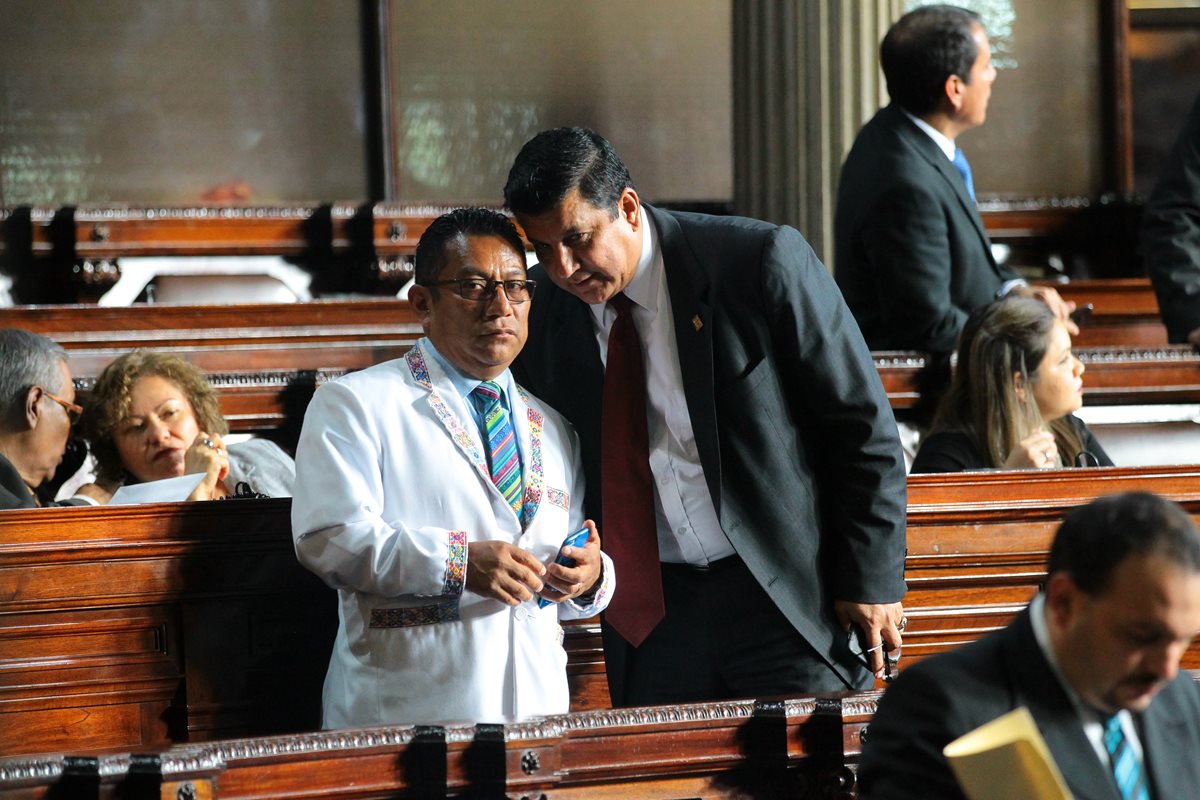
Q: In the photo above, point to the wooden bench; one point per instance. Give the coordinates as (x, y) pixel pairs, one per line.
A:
(264, 360)
(341, 335)
(75, 254)
(64, 253)
(800, 748)
(84, 326)
(150, 624)
(347, 248)
(978, 543)
(143, 625)
(1124, 312)
(1162, 374)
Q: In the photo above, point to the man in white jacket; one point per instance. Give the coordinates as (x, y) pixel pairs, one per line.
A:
(434, 493)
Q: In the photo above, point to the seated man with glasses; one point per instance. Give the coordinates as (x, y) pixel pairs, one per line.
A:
(434, 493)
(37, 402)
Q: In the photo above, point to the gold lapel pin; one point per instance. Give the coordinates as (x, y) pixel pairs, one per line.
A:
(697, 323)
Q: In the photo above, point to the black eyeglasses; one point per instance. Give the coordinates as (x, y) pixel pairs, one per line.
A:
(476, 289)
(74, 412)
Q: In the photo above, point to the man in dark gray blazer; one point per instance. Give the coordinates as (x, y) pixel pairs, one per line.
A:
(1095, 659)
(1170, 237)
(911, 255)
(778, 492)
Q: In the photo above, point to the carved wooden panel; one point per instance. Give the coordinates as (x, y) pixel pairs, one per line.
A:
(112, 231)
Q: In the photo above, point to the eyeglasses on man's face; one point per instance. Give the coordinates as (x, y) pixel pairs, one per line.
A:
(477, 289)
(74, 412)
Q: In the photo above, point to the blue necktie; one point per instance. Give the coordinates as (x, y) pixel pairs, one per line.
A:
(1131, 781)
(503, 460)
(964, 169)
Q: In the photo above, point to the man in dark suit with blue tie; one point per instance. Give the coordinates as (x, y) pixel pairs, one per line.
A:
(911, 255)
(740, 453)
(1095, 660)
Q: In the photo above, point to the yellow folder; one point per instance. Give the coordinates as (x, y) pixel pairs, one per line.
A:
(1006, 758)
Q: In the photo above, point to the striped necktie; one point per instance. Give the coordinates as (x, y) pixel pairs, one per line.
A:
(964, 169)
(1131, 780)
(503, 461)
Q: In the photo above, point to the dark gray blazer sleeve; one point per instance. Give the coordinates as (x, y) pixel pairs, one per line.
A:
(843, 415)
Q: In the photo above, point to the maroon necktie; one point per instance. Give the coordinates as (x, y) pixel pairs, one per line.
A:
(627, 487)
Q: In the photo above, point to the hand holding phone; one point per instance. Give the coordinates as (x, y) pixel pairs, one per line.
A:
(576, 539)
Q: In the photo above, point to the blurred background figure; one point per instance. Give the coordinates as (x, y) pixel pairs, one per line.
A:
(1170, 238)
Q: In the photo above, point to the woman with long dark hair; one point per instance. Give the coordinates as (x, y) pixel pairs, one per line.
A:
(1013, 396)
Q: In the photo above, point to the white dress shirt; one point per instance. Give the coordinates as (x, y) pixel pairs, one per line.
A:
(688, 528)
(464, 384)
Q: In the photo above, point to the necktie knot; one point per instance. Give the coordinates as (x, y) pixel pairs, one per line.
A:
(485, 395)
(1114, 735)
(621, 303)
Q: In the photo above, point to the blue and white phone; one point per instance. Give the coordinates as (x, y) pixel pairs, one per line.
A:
(576, 539)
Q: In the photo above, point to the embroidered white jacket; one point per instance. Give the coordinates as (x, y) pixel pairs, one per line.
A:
(391, 484)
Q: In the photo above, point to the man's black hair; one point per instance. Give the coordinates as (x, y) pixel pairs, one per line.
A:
(556, 161)
(431, 249)
(1095, 539)
(924, 48)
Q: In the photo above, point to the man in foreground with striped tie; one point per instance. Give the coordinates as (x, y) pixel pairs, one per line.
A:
(1095, 658)
(910, 252)
(434, 493)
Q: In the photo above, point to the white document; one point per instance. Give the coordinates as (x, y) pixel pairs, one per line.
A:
(168, 490)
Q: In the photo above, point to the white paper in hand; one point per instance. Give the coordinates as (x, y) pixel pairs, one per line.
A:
(168, 490)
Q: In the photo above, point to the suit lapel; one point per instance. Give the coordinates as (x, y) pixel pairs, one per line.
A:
(1163, 730)
(688, 288)
(920, 142)
(461, 432)
(1037, 688)
(528, 422)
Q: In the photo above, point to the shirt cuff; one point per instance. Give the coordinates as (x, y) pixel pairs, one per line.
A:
(1009, 285)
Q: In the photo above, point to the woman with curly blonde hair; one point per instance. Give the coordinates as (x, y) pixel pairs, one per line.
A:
(153, 416)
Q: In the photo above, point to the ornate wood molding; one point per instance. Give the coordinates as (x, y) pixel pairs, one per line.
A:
(131, 213)
(31, 769)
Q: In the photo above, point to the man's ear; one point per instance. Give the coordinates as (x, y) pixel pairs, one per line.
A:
(629, 207)
(421, 300)
(1062, 598)
(953, 91)
(33, 408)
